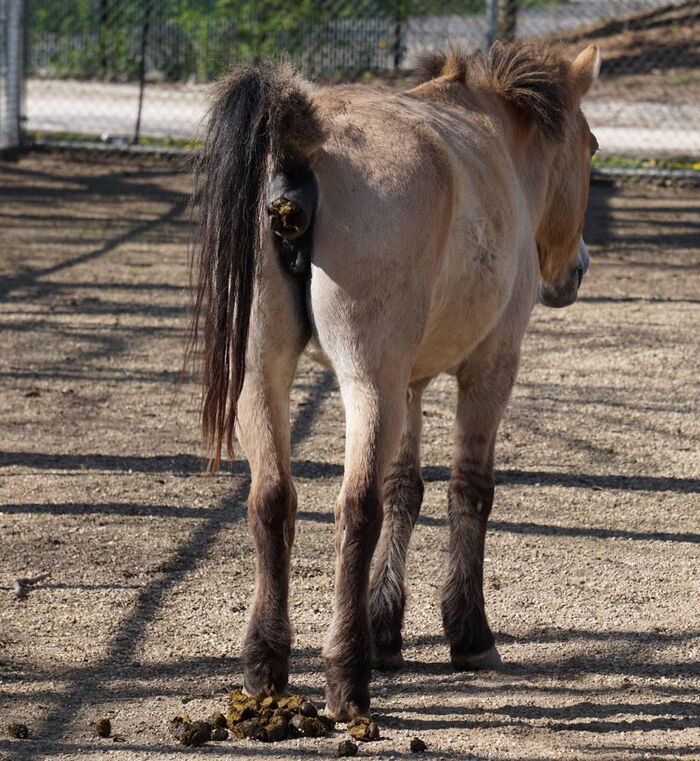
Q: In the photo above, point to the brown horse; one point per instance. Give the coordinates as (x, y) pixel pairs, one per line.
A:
(397, 236)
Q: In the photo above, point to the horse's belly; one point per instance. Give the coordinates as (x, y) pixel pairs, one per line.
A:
(469, 296)
(451, 336)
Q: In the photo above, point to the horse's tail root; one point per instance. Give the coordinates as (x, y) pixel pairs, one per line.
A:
(261, 118)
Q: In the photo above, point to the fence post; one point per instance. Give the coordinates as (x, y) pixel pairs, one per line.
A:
(146, 23)
(507, 19)
(501, 20)
(399, 19)
(491, 23)
(11, 74)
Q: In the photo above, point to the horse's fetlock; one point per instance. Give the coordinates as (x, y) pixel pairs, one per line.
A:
(265, 666)
(474, 493)
(465, 623)
(347, 690)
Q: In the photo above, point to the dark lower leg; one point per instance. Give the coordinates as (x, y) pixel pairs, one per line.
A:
(272, 508)
(485, 381)
(403, 496)
(469, 503)
(402, 502)
(346, 653)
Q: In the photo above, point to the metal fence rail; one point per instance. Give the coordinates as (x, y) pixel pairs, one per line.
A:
(124, 71)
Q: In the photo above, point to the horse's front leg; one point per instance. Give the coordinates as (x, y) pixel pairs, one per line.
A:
(278, 335)
(485, 382)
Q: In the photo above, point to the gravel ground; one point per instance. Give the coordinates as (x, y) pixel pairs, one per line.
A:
(592, 573)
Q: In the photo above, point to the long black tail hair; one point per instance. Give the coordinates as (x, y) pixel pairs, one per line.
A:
(259, 116)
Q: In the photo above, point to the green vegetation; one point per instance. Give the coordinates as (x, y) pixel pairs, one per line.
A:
(76, 139)
(102, 39)
(683, 163)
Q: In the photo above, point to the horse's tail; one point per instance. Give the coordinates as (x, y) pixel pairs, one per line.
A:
(259, 116)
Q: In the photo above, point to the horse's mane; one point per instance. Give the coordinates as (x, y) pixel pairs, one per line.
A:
(533, 78)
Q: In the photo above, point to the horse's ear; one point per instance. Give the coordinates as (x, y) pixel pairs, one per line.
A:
(585, 69)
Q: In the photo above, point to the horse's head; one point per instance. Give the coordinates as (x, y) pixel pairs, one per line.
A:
(562, 253)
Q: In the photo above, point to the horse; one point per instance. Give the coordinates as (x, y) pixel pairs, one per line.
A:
(394, 236)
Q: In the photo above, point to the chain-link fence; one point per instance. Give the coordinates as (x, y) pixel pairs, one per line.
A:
(136, 71)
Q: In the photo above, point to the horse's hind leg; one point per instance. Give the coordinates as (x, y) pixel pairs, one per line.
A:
(485, 382)
(278, 334)
(403, 496)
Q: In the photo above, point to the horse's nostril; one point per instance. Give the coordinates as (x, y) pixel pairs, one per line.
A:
(579, 272)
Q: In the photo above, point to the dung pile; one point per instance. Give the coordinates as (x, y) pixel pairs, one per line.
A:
(273, 719)
(188, 732)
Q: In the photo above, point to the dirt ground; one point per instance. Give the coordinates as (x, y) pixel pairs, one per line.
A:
(592, 572)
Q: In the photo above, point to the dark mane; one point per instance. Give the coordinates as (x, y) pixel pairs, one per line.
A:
(534, 79)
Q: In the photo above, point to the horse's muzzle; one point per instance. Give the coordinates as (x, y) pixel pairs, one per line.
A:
(564, 294)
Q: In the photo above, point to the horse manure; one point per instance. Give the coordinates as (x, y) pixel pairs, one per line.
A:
(200, 732)
(347, 748)
(363, 729)
(18, 730)
(218, 720)
(276, 729)
(119, 739)
(178, 725)
(295, 725)
(287, 218)
(417, 745)
(306, 726)
(252, 730)
(311, 726)
(307, 708)
(327, 721)
(291, 703)
(241, 707)
(188, 732)
(219, 733)
(103, 727)
(275, 718)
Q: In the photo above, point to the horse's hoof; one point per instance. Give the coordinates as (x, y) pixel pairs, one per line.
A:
(488, 660)
(338, 712)
(387, 661)
(264, 693)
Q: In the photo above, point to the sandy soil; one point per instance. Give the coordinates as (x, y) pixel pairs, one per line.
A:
(592, 575)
